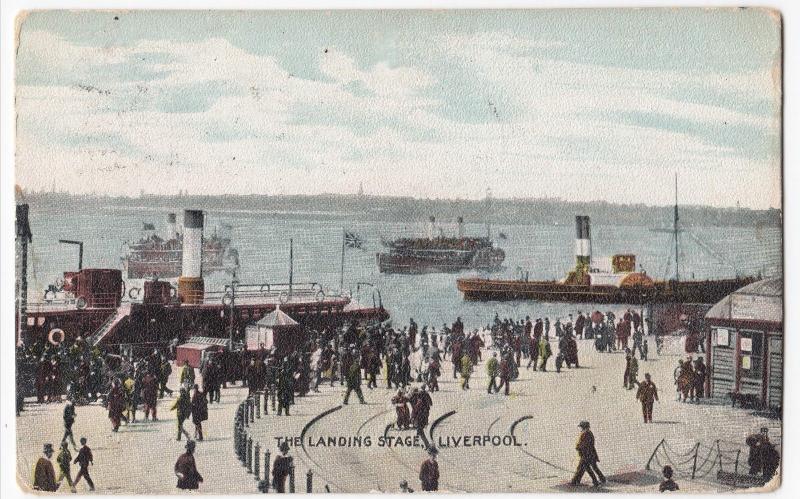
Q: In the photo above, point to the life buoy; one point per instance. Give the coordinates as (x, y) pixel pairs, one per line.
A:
(55, 336)
(283, 297)
(81, 302)
(264, 289)
(133, 293)
(227, 299)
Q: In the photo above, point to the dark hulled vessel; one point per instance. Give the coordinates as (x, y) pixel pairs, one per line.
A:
(436, 254)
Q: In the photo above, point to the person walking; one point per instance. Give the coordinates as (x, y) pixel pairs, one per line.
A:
(83, 460)
(150, 396)
(505, 373)
(646, 394)
(466, 371)
(164, 373)
(353, 381)
(69, 419)
(186, 469)
(64, 461)
(183, 409)
(429, 472)
(544, 352)
(492, 370)
(199, 411)
(116, 405)
(588, 459)
(44, 476)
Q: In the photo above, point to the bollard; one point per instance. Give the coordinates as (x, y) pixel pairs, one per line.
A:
(251, 406)
(310, 482)
(272, 392)
(266, 400)
(266, 466)
(258, 405)
(249, 454)
(243, 447)
(291, 478)
(244, 412)
(256, 462)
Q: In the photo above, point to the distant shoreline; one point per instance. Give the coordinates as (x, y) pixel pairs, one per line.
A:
(548, 211)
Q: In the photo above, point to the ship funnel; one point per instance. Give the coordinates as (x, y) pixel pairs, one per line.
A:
(460, 227)
(190, 285)
(431, 227)
(172, 229)
(583, 243)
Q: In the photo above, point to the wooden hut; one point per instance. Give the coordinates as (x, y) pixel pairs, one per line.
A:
(275, 330)
(745, 342)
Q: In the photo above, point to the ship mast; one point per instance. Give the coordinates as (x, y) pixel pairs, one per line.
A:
(675, 231)
(489, 213)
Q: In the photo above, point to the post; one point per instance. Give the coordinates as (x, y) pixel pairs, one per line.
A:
(694, 463)
(653, 455)
(258, 404)
(256, 462)
(266, 466)
(341, 275)
(24, 237)
(291, 265)
(309, 482)
(251, 404)
(272, 390)
(736, 468)
(245, 409)
(266, 399)
(291, 478)
(249, 454)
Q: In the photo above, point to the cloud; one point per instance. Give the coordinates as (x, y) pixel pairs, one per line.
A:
(442, 114)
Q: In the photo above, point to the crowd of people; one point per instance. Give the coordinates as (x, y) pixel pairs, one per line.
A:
(408, 361)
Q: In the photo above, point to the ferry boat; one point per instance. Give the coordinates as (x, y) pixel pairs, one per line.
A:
(613, 280)
(159, 257)
(437, 253)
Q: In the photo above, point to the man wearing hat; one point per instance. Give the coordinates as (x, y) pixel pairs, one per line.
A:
(64, 460)
(44, 476)
(588, 457)
(186, 470)
(429, 472)
(281, 468)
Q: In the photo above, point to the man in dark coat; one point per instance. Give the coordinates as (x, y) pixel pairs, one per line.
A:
(84, 459)
(505, 373)
(281, 468)
(150, 396)
(186, 470)
(69, 420)
(353, 380)
(199, 411)
(44, 476)
(429, 472)
(580, 323)
(588, 457)
(116, 404)
(421, 405)
(699, 377)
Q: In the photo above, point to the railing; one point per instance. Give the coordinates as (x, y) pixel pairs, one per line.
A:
(700, 461)
(249, 452)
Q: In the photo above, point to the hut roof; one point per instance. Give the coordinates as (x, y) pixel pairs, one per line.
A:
(759, 301)
(277, 318)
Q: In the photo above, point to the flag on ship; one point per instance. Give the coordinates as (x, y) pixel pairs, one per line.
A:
(353, 240)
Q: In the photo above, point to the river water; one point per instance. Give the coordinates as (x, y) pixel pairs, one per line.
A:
(262, 239)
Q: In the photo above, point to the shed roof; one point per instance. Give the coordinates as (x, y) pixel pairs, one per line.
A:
(759, 301)
(276, 318)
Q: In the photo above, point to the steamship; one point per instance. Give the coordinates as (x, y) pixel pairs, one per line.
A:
(605, 280)
(154, 256)
(93, 304)
(438, 253)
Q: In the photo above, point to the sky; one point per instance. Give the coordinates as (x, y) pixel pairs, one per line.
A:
(575, 104)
